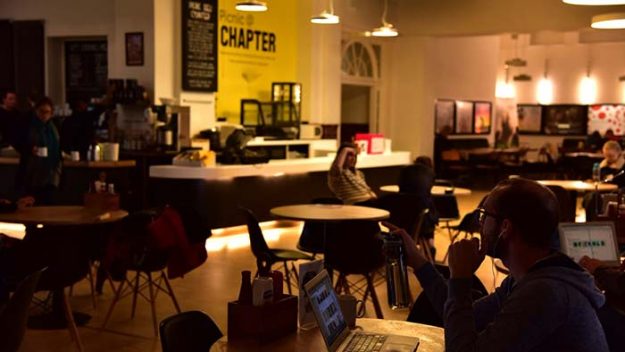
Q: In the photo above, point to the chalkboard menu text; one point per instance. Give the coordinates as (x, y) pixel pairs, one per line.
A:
(199, 45)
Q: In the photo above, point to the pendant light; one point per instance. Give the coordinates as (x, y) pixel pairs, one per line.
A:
(505, 89)
(609, 21)
(326, 17)
(544, 90)
(387, 29)
(594, 2)
(251, 6)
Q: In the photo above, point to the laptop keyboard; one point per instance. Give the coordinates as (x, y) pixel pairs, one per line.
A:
(365, 343)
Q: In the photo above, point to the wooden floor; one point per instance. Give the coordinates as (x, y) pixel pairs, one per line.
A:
(207, 288)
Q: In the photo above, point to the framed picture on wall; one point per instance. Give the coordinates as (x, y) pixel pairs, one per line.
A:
(530, 118)
(604, 117)
(482, 117)
(464, 117)
(444, 115)
(134, 49)
(565, 119)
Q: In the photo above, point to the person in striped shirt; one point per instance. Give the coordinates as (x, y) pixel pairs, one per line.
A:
(345, 181)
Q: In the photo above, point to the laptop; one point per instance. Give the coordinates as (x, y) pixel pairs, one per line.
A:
(336, 334)
(594, 239)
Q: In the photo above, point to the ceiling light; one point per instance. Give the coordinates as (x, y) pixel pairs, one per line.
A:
(587, 91)
(386, 30)
(609, 21)
(544, 92)
(595, 2)
(523, 77)
(251, 6)
(516, 62)
(326, 17)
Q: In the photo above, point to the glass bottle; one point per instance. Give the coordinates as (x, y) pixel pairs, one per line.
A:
(245, 292)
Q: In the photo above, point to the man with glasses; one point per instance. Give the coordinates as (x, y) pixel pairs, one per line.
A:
(547, 303)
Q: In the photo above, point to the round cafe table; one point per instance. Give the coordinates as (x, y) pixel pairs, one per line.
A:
(580, 186)
(431, 338)
(329, 212)
(436, 190)
(60, 217)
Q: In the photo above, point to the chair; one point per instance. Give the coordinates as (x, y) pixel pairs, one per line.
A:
(353, 248)
(446, 206)
(14, 315)
(263, 253)
(311, 238)
(469, 225)
(567, 203)
(192, 331)
(138, 254)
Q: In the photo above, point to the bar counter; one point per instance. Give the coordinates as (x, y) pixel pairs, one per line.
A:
(217, 192)
(80, 164)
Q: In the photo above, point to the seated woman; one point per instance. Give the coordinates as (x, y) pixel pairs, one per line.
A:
(345, 181)
(613, 163)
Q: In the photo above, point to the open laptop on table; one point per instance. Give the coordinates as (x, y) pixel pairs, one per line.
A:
(336, 334)
(594, 239)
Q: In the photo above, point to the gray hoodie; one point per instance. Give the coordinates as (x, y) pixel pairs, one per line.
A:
(552, 308)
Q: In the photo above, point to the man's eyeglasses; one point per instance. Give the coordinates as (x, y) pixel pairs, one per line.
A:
(482, 214)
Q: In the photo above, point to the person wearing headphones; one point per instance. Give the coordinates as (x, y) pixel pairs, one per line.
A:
(548, 302)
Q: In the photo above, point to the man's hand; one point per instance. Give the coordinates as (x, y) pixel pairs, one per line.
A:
(590, 264)
(465, 256)
(414, 258)
(25, 202)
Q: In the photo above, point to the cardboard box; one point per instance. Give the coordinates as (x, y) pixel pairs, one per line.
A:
(375, 142)
(263, 323)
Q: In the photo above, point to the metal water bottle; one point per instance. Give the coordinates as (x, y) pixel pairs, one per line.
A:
(396, 273)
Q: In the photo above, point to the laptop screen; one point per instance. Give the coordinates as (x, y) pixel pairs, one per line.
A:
(327, 309)
(594, 239)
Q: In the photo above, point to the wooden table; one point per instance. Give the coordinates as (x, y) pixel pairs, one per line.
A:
(580, 186)
(62, 216)
(432, 339)
(329, 212)
(437, 190)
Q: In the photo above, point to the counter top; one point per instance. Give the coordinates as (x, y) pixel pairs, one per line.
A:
(80, 164)
(274, 167)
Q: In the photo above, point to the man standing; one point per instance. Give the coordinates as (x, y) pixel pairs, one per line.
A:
(8, 116)
(548, 303)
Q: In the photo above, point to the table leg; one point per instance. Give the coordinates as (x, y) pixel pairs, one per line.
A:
(56, 319)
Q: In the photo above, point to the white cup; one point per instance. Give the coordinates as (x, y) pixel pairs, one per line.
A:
(352, 308)
(42, 152)
(110, 151)
(75, 155)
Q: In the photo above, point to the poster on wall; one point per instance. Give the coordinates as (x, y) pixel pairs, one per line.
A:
(565, 119)
(482, 117)
(464, 117)
(199, 45)
(604, 117)
(530, 118)
(134, 49)
(506, 121)
(444, 115)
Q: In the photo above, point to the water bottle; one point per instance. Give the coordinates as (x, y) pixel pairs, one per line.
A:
(396, 273)
(596, 172)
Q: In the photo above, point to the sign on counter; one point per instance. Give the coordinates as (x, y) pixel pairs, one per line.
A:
(199, 45)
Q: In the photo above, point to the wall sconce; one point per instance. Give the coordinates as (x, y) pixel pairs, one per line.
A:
(588, 90)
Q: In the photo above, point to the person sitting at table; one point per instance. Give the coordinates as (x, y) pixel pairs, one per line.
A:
(611, 170)
(40, 165)
(418, 179)
(345, 181)
(547, 303)
(611, 279)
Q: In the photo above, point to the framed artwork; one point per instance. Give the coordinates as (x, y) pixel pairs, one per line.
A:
(444, 115)
(134, 49)
(464, 117)
(482, 117)
(604, 117)
(530, 118)
(565, 119)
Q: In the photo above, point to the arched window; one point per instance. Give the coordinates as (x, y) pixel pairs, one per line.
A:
(360, 60)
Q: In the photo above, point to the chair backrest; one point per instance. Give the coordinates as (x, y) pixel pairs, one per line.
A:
(257, 240)
(417, 231)
(353, 247)
(15, 314)
(405, 210)
(446, 206)
(192, 331)
(567, 206)
(470, 223)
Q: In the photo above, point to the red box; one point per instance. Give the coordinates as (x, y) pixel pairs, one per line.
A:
(264, 323)
(375, 142)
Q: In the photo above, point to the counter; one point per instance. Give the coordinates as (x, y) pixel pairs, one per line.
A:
(217, 192)
(80, 164)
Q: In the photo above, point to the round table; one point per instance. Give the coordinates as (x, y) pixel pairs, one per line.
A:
(579, 186)
(62, 216)
(432, 339)
(329, 212)
(436, 190)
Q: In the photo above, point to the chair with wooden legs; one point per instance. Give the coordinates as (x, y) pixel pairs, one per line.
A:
(14, 315)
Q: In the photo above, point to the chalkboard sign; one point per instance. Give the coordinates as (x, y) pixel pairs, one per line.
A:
(86, 69)
(199, 45)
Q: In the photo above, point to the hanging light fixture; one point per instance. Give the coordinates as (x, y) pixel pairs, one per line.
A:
(544, 90)
(326, 17)
(609, 21)
(505, 89)
(251, 6)
(387, 29)
(594, 2)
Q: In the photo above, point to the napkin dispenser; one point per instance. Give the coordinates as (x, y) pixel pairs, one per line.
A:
(262, 323)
